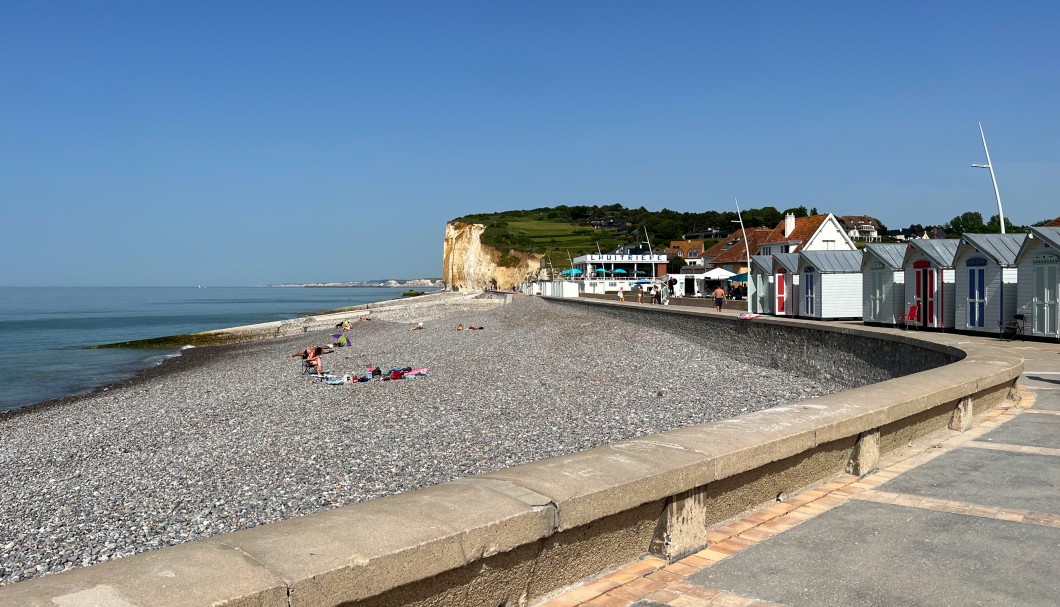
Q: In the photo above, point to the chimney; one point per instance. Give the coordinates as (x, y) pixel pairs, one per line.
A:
(789, 224)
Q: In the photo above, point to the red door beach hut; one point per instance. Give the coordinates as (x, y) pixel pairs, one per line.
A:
(929, 277)
(830, 284)
(785, 284)
(760, 285)
(985, 266)
(1038, 290)
(883, 283)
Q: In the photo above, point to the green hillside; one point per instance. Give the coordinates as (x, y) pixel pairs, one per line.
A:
(562, 230)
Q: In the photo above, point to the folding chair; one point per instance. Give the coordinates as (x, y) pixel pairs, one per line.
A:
(910, 318)
(1013, 328)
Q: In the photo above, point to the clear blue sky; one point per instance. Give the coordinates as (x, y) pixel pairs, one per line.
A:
(227, 143)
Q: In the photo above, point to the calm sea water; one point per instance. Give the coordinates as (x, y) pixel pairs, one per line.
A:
(43, 331)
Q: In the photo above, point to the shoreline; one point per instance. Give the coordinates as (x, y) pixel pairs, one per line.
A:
(203, 354)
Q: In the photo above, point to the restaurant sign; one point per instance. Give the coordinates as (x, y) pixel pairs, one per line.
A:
(623, 258)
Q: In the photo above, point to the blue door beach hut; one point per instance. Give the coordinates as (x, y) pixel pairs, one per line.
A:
(830, 284)
(1038, 290)
(785, 284)
(883, 283)
(760, 285)
(985, 265)
(929, 277)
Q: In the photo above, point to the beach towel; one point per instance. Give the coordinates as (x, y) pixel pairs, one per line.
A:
(748, 316)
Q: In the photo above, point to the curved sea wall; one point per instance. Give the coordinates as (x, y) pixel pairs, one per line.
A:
(510, 537)
(468, 264)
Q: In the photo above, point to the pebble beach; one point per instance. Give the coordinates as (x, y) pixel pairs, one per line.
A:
(231, 437)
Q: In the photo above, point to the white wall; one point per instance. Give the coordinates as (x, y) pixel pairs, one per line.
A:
(830, 231)
(839, 295)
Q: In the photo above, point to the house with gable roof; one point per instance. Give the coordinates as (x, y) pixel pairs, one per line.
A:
(814, 233)
(730, 254)
(861, 227)
(689, 250)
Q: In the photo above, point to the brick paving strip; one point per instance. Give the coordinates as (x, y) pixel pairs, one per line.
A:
(1040, 412)
(651, 582)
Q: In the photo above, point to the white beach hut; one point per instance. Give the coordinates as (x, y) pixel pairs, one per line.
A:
(883, 283)
(929, 277)
(760, 285)
(1038, 289)
(830, 284)
(985, 290)
(785, 284)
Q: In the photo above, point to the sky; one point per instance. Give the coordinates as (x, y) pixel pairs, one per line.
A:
(245, 143)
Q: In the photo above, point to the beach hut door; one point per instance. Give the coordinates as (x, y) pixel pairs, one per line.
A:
(876, 296)
(925, 295)
(976, 297)
(1045, 299)
(781, 285)
(811, 293)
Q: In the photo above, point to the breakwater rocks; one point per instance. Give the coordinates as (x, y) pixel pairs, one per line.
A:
(242, 438)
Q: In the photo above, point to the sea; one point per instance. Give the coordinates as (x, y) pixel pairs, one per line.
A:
(44, 331)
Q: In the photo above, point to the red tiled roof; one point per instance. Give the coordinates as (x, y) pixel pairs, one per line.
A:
(1052, 224)
(734, 251)
(682, 247)
(805, 228)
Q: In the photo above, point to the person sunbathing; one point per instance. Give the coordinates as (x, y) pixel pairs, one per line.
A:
(311, 356)
(474, 328)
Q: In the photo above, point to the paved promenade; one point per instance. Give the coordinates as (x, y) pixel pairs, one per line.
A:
(958, 519)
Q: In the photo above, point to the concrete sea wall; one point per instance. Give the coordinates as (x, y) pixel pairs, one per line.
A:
(509, 537)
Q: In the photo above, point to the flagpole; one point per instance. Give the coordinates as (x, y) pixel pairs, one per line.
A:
(746, 248)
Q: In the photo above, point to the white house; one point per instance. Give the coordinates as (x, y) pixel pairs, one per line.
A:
(883, 283)
(985, 286)
(830, 284)
(929, 277)
(861, 227)
(785, 284)
(814, 233)
(1038, 270)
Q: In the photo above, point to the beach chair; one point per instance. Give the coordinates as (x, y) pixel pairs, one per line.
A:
(1013, 328)
(910, 318)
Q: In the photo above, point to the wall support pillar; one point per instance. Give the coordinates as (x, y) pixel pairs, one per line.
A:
(865, 456)
(962, 415)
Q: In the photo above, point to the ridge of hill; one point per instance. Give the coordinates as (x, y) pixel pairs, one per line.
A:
(559, 231)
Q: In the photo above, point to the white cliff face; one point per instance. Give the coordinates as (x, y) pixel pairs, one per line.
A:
(470, 265)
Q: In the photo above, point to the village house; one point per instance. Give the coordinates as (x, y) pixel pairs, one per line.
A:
(731, 254)
(689, 250)
(861, 227)
(814, 233)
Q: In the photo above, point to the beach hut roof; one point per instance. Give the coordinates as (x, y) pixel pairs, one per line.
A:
(764, 263)
(1002, 248)
(940, 251)
(788, 261)
(890, 254)
(836, 262)
(1049, 235)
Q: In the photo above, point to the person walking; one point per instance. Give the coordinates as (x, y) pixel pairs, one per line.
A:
(621, 294)
(719, 298)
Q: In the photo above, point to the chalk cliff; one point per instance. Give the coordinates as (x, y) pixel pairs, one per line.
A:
(469, 264)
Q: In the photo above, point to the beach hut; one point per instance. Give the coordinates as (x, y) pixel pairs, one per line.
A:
(985, 284)
(760, 285)
(830, 284)
(883, 283)
(785, 284)
(929, 276)
(1038, 272)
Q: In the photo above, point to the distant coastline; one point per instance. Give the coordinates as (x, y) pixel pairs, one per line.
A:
(376, 284)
